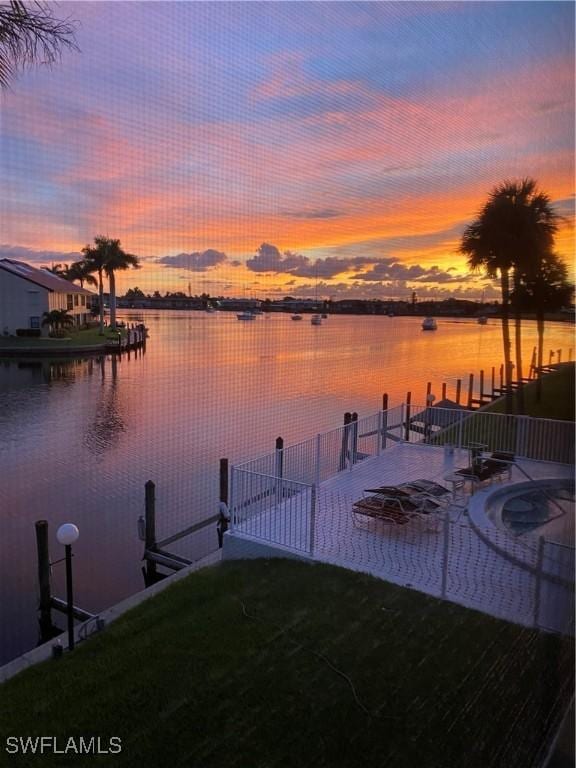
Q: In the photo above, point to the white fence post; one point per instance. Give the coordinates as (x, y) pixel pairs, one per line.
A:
(232, 521)
(318, 458)
(445, 558)
(521, 432)
(312, 517)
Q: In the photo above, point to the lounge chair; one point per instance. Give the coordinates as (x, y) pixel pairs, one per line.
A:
(399, 504)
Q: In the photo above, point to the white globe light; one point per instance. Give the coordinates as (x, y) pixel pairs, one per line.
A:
(67, 534)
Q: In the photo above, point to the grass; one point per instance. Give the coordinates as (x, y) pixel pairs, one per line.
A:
(86, 338)
(279, 663)
(557, 401)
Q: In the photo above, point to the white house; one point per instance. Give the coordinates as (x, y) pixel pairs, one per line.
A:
(27, 292)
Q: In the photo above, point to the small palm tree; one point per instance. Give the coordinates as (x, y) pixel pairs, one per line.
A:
(79, 271)
(57, 318)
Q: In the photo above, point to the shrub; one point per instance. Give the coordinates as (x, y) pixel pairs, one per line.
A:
(58, 333)
(29, 332)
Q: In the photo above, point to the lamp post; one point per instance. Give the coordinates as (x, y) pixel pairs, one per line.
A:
(67, 534)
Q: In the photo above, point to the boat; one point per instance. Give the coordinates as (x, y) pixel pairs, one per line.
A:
(482, 320)
(324, 316)
(246, 316)
(316, 320)
(429, 324)
(296, 317)
(210, 308)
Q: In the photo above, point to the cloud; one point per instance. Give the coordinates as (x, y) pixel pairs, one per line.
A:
(21, 253)
(269, 259)
(322, 213)
(391, 270)
(195, 262)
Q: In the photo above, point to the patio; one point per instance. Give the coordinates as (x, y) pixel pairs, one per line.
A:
(517, 578)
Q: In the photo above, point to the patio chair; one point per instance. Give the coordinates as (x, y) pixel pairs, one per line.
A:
(483, 468)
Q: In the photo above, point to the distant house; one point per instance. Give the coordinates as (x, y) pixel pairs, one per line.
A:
(26, 293)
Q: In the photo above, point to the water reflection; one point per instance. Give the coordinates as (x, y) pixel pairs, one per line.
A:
(107, 425)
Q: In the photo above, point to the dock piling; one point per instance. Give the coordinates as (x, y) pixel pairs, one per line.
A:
(344, 448)
(45, 604)
(150, 530)
(407, 424)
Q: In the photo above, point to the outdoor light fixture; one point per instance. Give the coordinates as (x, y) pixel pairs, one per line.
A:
(67, 534)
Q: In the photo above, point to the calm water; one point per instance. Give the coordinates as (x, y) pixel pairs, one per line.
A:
(79, 439)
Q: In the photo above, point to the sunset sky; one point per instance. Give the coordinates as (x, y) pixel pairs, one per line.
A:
(264, 148)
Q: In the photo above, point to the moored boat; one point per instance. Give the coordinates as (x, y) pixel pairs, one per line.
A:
(482, 320)
(296, 317)
(429, 324)
(246, 316)
(316, 320)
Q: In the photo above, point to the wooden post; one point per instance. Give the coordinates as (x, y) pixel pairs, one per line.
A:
(150, 519)
(428, 391)
(493, 386)
(532, 371)
(559, 356)
(470, 389)
(444, 391)
(384, 419)
(224, 480)
(458, 390)
(222, 524)
(344, 449)
(481, 387)
(502, 378)
(354, 441)
(407, 424)
(45, 604)
(550, 356)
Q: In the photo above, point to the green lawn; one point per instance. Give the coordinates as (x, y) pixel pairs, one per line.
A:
(279, 663)
(557, 401)
(87, 338)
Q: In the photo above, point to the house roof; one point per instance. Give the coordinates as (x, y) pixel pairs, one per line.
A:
(41, 277)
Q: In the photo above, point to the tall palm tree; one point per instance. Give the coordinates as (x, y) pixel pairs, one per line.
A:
(94, 258)
(513, 230)
(106, 258)
(30, 34)
(545, 289)
(117, 260)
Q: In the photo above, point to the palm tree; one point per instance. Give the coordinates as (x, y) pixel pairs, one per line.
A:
(78, 270)
(57, 318)
(30, 35)
(544, 289)
(56, 269)
(106, 258)
(513, 230)
(117, 259)
(94, 258)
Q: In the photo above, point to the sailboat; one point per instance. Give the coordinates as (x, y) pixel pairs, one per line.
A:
(316, 319)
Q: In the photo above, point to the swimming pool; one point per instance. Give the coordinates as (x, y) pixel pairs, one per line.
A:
(539, 508)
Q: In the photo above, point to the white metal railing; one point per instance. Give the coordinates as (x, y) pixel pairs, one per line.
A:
(273, 509)
(317, 459)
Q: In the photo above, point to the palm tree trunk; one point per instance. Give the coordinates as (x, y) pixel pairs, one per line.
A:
(518, 344)
(112, 281)
(505, 288)
(540, 328)
(101, 300)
